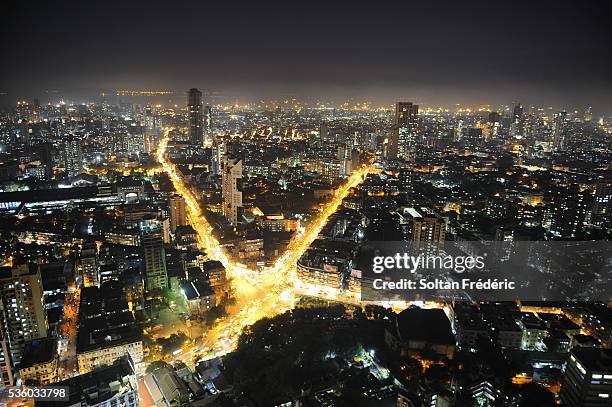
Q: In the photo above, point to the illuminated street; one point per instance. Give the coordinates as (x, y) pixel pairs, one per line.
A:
(259, 294)
(68, 357)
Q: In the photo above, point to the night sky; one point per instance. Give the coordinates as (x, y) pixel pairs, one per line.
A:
(552, 52)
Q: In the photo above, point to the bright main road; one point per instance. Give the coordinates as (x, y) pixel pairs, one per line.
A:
(258, 294)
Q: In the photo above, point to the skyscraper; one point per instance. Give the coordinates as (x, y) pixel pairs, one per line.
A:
(135, 143)
(602, 203)
(517, 112)
(153, 259)
(344, 156)
(207, 125)
(23, 313)
(178, 216)
(517, 124)
(403, 137)
(73, 156)
(195, 117)
(217, 154)
(231, 188)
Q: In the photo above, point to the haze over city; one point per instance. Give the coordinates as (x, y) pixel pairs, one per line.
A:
(436, 53)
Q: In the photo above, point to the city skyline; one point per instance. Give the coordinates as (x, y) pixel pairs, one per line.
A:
(159, 241)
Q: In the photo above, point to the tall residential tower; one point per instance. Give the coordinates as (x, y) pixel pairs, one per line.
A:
(23, 310)
(194, 106)
(232, 188)
(403, 137)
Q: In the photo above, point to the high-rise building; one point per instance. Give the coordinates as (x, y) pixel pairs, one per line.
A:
(403, 138)
(568, 212)
(458, 130)
(154, 258)
(427, 226)
(178, 216)
(587, 381)
(231, 188)
(558, 131)
(151, 142)
(517, 112)
(406, 181)
(517, 124)
(345, 157)
(149, 118)
(602, 203)
(6, 365)
(73, 156)
(331, 170)
(135, 143)
(89, 264)
(23, 316)
(207, 125)
(195, 117)
(218, 152)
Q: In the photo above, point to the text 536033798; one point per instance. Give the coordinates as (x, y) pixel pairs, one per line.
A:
(38, 393)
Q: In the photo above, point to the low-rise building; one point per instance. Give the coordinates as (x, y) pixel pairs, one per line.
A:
(415, 329)
(123, 236)
(534, 331)
(214, 271)
(39, 363)
(130, 190)
(469, 325)
(106, 329)
(199, 296)
(174, 390)
(109, 386)
(508, 334)
(325, 267)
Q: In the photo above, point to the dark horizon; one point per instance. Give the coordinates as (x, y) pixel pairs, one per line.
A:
(548, 54)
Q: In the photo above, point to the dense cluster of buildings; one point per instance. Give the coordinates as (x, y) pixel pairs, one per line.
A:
(95, 242)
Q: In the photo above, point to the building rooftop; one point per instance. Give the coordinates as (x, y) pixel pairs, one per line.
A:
(594, 359)
(192, 290)
(50, 195)
(105, 319)
(38, 351)
(98, 385)
(212, 265)
(429, 325)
